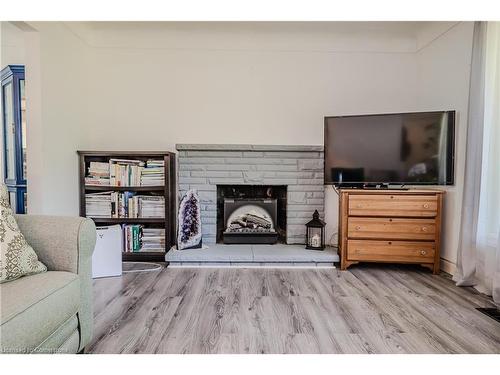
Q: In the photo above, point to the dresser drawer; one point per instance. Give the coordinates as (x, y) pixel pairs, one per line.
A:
(388, 228)
(391, 251)
(393, 205)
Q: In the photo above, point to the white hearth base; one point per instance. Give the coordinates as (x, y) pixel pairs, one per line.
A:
(279, 255)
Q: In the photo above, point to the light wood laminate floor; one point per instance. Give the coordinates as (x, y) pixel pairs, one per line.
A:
(368, 309)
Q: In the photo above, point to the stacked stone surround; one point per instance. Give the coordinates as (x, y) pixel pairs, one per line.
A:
(300, 168)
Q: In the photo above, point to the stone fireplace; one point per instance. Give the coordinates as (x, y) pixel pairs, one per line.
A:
(289, 177)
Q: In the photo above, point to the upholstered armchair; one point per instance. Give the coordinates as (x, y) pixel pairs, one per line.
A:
(51, 312)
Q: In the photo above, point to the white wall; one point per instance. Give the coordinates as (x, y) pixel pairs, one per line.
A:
(443, 70)
(231, 84)
(57, 101)
(200, 96)
(12, 45)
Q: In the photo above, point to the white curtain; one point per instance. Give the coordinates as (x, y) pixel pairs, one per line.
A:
(478, 260)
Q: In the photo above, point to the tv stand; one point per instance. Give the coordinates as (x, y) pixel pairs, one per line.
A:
(388, 225)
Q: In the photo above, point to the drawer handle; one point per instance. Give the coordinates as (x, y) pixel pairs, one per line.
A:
(359, 205)
(424, 229)
(358, 227)
(423, 252)
(426, 205)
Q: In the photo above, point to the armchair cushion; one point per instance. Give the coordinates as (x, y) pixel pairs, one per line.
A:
(17, 257)
(35, 307)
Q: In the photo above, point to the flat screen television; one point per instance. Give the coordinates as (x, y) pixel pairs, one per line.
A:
(399, 148)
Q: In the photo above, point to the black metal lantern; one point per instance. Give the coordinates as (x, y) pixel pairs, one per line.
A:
(315, 233)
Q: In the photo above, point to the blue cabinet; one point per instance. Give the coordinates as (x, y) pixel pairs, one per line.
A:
(14, 135)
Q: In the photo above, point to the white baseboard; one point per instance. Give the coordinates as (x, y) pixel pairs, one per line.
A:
(447, 266)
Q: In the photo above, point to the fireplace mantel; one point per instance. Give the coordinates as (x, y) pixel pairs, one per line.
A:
(245, 147)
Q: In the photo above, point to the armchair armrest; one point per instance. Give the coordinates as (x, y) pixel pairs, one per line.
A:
(65, 244)
(61, 243)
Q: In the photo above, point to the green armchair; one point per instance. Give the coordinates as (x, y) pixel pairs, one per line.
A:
(51, 312)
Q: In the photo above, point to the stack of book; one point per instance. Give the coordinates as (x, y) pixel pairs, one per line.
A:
(132, 238)
(154, 173)
(151, 206)
(136, 238)
(130, 205)
(153, 239)
(98, 204)
(123, 172)
(98, 174)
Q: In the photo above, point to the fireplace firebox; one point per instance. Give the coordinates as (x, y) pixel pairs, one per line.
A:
(250, 214)
(250, 221)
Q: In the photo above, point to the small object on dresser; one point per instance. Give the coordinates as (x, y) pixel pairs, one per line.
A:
(189, 232)
(315, 233)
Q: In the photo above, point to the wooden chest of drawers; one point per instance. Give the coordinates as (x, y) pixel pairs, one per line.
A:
(397, 226)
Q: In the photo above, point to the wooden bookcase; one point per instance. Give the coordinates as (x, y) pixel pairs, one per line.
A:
(168, 190)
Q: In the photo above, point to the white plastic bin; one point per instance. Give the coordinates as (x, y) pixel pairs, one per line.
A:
(107, 257)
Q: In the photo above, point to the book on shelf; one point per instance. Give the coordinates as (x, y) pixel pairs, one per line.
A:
(153, 239)
(125, 172)
(132, 235)
(153, 174)
(98, 204)
(113, 204)
(98, 174)
(136, 238)
(151, 206)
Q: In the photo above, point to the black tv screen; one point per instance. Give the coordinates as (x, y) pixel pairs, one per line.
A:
(403, 148)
